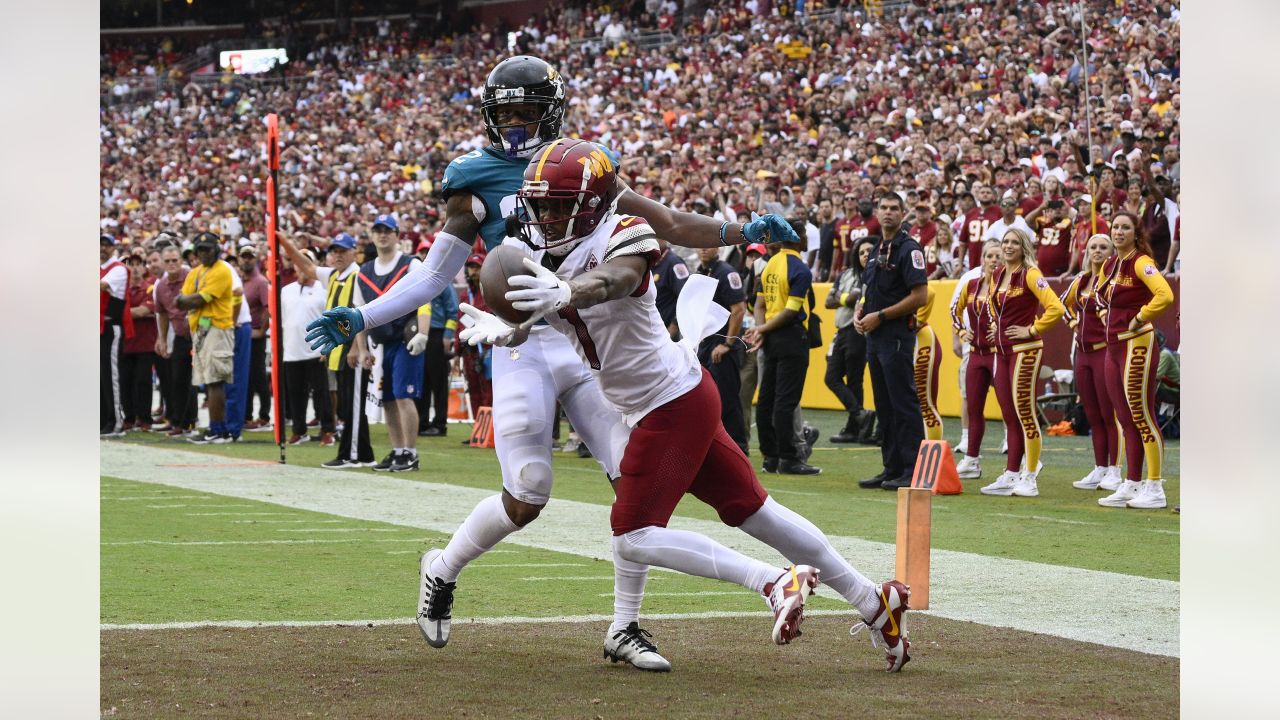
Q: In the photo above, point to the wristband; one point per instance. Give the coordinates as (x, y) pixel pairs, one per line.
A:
(882, 317)
(723, 227)
(844, 299)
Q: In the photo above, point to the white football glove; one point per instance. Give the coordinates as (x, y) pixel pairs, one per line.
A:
(544, 293)
(483, 327)
(417, 344)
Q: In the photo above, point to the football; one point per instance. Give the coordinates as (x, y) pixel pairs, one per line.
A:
(501, 263)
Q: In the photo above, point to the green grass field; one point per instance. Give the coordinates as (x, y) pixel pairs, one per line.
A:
(175, 555)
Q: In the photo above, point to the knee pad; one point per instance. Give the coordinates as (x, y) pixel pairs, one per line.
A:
(630, 546)
(527, 475)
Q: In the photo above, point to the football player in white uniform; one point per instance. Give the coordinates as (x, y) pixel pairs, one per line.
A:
(523, 106)
(591, 281)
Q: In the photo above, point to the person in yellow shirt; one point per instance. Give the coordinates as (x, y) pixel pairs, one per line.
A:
(928, 363)
(209, 301)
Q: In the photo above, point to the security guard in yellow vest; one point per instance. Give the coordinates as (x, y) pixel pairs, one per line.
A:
(353, 382)
(782, 308)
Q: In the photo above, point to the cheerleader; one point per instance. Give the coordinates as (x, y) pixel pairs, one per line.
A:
(928, 363)
(1090, 335)
(1019, 290)
(979, 362)
(1134, 293)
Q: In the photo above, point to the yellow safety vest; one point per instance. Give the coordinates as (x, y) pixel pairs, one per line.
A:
(339, 295)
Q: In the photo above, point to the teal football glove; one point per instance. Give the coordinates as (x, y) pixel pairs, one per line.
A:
(336, 327)
(770, 228)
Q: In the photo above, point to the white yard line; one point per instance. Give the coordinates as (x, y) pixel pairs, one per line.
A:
(338, 529)
(1042, 518)
(259, 542)
(1037, 597)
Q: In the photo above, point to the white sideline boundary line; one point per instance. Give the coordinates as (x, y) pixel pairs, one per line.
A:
(1001, 592)
(510, 620)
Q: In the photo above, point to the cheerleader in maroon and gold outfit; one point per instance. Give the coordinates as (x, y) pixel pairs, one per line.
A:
(1019, 291)
(979, 371)
(1134, 293)
(1084, 314)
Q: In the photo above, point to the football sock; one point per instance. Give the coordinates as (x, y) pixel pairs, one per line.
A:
(693, 554)
(628, 590)
(804, 544)
(485, 527)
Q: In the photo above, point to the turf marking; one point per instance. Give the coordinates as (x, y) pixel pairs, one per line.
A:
(270, 522)
(1042, 518)
(1031, 596)
(236, 514)
(526, 565)
(697, 593)
(509, 620)
(339, 529)
(309, 541)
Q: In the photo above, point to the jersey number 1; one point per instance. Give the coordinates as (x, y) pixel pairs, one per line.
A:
(570, 314)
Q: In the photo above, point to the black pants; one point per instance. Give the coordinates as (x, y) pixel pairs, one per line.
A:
(785, 362)
(259, 386)
(355, 426)
(845, 367)
(897, 407)
(181, 406)
(135, 386)
(305, 379)
(728, 380)
(435, 384)
(111, 408)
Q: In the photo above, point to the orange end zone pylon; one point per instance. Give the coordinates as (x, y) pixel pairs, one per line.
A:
(936, 469)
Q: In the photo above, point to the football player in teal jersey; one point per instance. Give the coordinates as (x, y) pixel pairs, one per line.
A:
(523, 107)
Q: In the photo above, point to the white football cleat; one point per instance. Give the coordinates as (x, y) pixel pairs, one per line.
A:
(1092, 480)
(1127, 491)
(1150, 496)
(786, 597)
(1003, 484)
(435, 603)
(963, 446)
(969, 468)
(1111, 480)
(889, 626)
(631, 645)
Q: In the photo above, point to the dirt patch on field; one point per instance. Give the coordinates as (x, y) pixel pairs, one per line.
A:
(723, 668)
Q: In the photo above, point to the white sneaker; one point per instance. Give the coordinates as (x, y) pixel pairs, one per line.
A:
(571, 445)
(1025, 485)
(1111, 479)
(1150, 496)
(1092, 480)
(632, 646)
(1004, 444)
(1003, 484)
(963, 445)
(969, 467)
(1127, 491)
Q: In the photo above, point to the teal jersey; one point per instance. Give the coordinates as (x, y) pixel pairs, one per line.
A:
(495, 179)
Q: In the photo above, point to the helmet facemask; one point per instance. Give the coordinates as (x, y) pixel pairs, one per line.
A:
(514, 138)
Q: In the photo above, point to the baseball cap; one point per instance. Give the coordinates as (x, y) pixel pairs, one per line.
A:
(476, 259)
(757, 248)
(423, 244)
(387, 221)
(1124, 97)
(1088, 199)
(106, 238)
(343, 241)
(1126, 126)
(249, 250)
(207, 239)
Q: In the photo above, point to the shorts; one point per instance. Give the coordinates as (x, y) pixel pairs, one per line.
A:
(213, 356)
(403, 371)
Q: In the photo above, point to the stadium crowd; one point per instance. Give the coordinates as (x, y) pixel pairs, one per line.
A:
(973, 112)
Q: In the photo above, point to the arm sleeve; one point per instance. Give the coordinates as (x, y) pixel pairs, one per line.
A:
(1053, 309)
(421, 284)
(1069, 300)
(633, 238)
(959, 301)
(1162, 295)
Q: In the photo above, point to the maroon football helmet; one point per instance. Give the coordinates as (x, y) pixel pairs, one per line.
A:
(568, 191)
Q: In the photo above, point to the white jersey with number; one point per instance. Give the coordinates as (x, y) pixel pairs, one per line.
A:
(623, 341)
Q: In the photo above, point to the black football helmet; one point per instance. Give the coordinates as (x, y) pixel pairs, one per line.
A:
(523, 79)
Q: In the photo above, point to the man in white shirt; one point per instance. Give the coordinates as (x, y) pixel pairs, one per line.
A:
(113, 280)
(1009, 219)
(303, 369)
